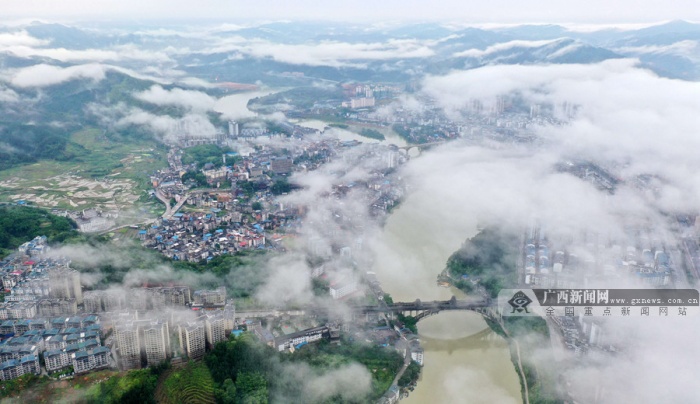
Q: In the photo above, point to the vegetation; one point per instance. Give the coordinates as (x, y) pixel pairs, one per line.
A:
(241, 272)
(409, 322)
(190, 384)
(410, 376)
(24, 143)
(416, 134)
(489, 256)
(19, 224)
(248, 372)
(205, 154)
(320, 286)
(530, 332)
(372, 134)
(281, 186)
(299, 98)
(388, 299)
(12, 387)
(136, 386)
(196, 177)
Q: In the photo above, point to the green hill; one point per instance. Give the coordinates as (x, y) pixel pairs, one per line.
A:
(191, 384)
(19, 224)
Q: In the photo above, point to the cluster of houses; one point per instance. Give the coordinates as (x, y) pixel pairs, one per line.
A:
(197, 236)
(147, 338)
(63, 342)
(36, 285)
(593, 257)
(152, 298)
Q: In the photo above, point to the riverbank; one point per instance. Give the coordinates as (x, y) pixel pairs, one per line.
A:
(464, 360)
(525, 337)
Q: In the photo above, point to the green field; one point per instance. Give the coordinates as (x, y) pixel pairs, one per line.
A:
(110, 172)
(190, 384)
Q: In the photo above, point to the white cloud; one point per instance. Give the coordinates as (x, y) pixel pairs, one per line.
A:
(326, 53)
(20, 38)
(120, 53)
(8, 95)
(171, 130)
(475, 53)
(193, 100)
(43, 75)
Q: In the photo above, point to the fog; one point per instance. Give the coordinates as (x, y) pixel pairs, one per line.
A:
(616, 114)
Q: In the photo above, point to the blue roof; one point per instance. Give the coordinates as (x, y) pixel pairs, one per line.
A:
(100, 349)
(142, 231)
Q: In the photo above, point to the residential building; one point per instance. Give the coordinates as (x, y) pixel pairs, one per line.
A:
(192, 339)
(214, 326)
(343, 288)
(128, 345)
(55, 360)
(15, 368)
(210, 298)
(156, 341)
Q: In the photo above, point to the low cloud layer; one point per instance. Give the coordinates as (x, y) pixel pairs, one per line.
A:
(43, 75)
(629, 120)
(192, 100)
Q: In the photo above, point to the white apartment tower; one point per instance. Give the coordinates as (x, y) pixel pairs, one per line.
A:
(156, 342)
(192, 339)
(129, 345)
(215, 326)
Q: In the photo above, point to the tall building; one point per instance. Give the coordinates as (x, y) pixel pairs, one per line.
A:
(209, 298)
(233, 129)
(215, 328)
(156, 341)
(229, 317)
(64, 283)
(128, 345)
(192, 339)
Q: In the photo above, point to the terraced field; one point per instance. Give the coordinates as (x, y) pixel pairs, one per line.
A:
(107, 174)
(189, 384)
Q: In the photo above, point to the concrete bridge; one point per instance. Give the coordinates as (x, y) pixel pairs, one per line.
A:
(419, 309)
(416, 149)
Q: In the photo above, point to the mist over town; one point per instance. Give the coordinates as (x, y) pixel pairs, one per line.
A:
(310, 204)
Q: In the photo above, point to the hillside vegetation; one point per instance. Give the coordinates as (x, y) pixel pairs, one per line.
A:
(19, 224)
(192, 384)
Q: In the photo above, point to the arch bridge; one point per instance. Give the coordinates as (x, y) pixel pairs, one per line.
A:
(420, 309)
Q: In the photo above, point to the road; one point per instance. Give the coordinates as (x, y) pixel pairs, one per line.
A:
(166, 202)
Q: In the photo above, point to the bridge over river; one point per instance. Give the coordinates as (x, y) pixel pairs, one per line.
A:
(417, 309)
(420, 309)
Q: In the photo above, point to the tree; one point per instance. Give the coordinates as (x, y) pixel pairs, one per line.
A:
(256, 206)
(280, 187)
(388, 299)
(410, 375)
(228, 392)
(252, 387)
(197, 177)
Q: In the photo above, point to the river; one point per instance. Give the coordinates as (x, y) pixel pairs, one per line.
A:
(235, 106)
(343, 134)
(464, 361)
